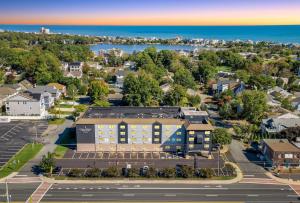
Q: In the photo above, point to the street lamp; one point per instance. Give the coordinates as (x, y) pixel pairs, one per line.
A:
(6, 188)
(218, 146)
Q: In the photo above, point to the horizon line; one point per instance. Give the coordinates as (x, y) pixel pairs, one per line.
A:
(170, 25)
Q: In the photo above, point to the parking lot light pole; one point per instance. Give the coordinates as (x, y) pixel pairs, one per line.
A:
(218, 160)
(7, 194)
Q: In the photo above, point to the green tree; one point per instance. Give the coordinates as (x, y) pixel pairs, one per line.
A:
(254, 105)
(98, 90)
(177, 96)
(184, 77)
(221, 136)
(48, 163)
(72, 91)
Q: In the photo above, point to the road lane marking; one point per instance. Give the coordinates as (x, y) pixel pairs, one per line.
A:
(252, 195)
(156, 188)
(170, 195)
(87, 195)
(211, 195)
(128, 195)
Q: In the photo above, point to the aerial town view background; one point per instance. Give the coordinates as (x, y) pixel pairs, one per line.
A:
(153, 101)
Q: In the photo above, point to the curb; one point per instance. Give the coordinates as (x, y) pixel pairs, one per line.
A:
(282, 180)
(149, 181)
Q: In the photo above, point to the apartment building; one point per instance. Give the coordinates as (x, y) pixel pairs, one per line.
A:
(170, 129)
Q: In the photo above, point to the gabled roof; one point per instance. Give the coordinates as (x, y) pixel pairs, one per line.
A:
(25, 96)
(57, 86)
(280, 145)
(41, 89)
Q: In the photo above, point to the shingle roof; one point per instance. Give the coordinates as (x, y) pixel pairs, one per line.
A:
(41, 89)
(281, 145)
(165, 121)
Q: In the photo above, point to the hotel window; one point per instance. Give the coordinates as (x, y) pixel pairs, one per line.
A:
(100, 126)
(156, 133)
(191, 146)
(133, 139)
(191, 139)
(206, 139)
(122, 139)
(178, 147)
(106, 140)
(111, 139)
(100, 133)
(207, 132)
(206, 146)
(110, 132)
(101, 139)
(191, 132)
(133, 126)
(145, 139)
(178, 126)
(122, 126)
(178, 140)
(156, 140)
(144, 132)
(145, 127)
(156, 127)
(122, 133)
(167, 147)
(111, 126)
(133, 132)
(178, 133)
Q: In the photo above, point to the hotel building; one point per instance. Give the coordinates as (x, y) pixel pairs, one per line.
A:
(169, 129)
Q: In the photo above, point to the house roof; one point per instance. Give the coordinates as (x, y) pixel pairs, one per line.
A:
(25, 84)
(281, 145)
(198, 126)
(6, 91)
(57, 86)
(28, 96)
(41, 89)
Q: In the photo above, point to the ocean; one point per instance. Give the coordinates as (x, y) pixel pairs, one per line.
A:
(278, 34)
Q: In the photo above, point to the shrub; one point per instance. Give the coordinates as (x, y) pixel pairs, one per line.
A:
(93, 173)
(168, 173)
(133, 173)
(150, 173)
(75, 172)
(111, 172)
(185, 171)
(205, 173)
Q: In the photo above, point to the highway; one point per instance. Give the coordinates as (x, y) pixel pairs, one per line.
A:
(169, 193)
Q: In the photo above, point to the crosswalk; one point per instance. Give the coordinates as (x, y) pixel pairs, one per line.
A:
(266, 181)
(296, 188)
(39, 193)
(24, 179)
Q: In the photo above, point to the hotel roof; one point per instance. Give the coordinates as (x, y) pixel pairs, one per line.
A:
(132, 112)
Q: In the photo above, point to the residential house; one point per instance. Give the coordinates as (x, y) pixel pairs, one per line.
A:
(224, 84)
(24, 104)
(59, 87)
(281, 153)
(6, 93)
(73, 70)
(130, 65)
(94, 65)
(279, 91)
(296, 103)
(25, 84)
(49, 94)
(120, 76)
(277, 124)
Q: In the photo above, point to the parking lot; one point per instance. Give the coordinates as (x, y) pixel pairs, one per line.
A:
(120, 155)
(14, 135)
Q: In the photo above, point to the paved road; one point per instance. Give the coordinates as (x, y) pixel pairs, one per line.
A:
(18, 192)
(167, 193)
(249, 169)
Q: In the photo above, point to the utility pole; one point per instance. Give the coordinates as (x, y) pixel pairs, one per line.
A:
(7, 194)
(218, 160)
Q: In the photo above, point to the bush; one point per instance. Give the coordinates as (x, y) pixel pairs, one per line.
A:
(111, 172)
(93, 173)
(76, 173)
(81, 108)
(205, 173)
(185, 171)
(150, 173)
(48, 163)
(168, 173)
(132, 173)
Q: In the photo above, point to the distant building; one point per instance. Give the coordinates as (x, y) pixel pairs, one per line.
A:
(130, 65)
(277, 124)
(73, 70)
(59, 87)
(281, 153)
(44, 30)
(24, 104)
(278, 90)
(48, 93)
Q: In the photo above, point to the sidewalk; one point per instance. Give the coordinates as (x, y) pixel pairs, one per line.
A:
(283, 180)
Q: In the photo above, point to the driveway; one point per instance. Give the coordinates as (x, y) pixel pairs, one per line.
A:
(247, 162)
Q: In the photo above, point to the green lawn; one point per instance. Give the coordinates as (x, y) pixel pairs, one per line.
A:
(60, 151)
(224, 68)
(56, 121)
(64, 106)
(20, 159)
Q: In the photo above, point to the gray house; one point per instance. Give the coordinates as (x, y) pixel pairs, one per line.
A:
(24, 104)
(49, 94)
(276, 125)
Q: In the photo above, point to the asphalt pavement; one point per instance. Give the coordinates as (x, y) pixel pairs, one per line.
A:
(168, 193)
(17, 192)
